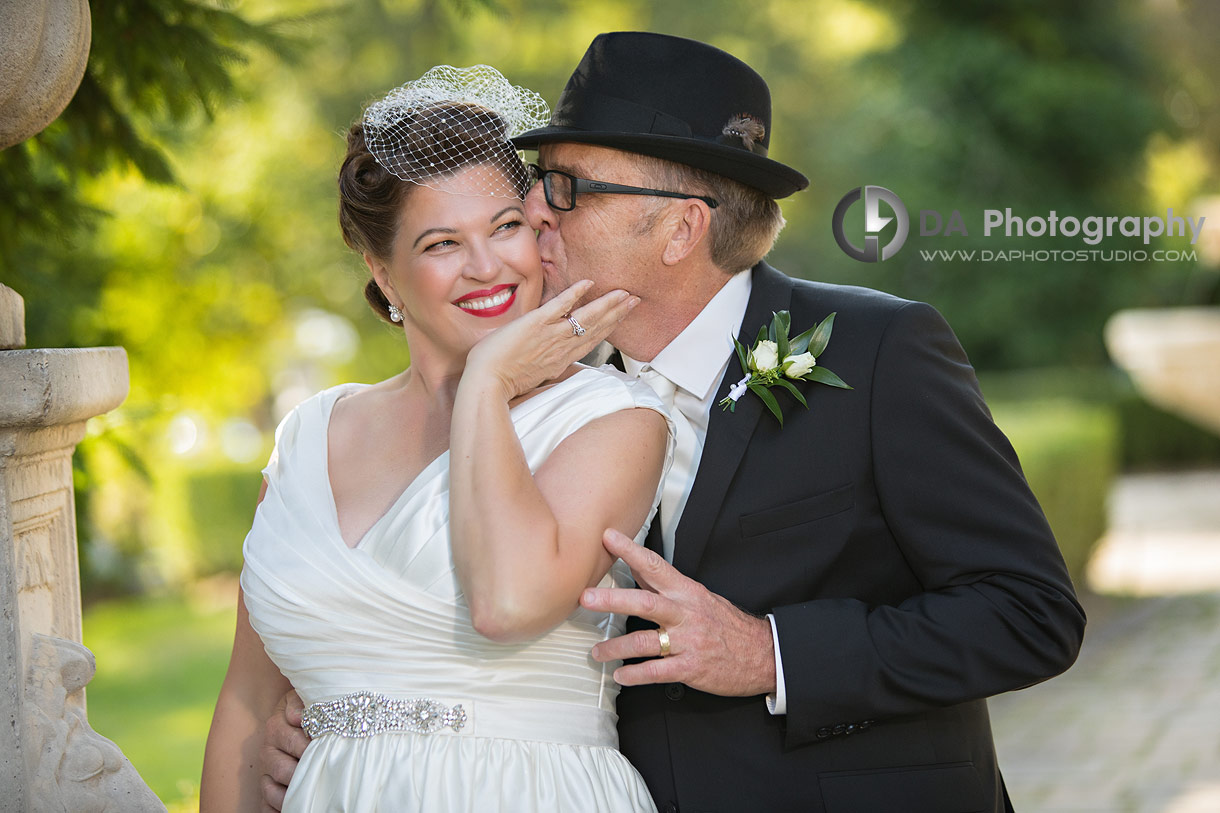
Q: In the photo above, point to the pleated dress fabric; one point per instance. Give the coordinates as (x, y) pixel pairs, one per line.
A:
(388, 616)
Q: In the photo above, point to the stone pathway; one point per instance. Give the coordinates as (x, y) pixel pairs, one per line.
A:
(1134, 726)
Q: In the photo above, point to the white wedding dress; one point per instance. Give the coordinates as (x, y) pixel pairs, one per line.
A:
(388, 617)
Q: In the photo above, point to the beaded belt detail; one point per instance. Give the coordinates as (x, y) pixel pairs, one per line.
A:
(364, 714)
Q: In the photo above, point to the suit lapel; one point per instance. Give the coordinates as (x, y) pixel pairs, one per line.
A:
(653, 540)
(728, 433)
(603, 354)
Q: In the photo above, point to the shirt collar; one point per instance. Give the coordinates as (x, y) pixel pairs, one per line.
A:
(695, 359)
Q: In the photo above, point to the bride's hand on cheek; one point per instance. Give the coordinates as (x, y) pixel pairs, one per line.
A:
(541, 344)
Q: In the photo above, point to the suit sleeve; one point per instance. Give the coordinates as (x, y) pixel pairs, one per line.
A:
(997, 611)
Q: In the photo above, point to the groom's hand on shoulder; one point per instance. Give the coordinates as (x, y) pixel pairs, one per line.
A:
(713, 646)
(284, 741)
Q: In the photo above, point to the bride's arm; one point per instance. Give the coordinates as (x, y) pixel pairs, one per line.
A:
(524, 544)
(252, 687)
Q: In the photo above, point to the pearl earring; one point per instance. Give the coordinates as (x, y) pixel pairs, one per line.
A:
(395, 313)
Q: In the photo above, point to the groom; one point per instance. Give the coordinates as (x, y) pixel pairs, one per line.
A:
(845, 590)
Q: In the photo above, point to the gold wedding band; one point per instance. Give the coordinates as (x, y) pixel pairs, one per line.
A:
(663, 637)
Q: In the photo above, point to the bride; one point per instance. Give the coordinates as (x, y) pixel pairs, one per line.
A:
(420, 544)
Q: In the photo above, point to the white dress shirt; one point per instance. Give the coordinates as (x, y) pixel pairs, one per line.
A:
(686, 374)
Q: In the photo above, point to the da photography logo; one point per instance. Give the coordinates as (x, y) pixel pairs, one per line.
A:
(874, 223)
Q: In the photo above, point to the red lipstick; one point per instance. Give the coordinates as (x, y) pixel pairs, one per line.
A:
(494, 310)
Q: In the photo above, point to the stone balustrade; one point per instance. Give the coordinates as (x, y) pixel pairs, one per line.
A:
(1173, 356)
(56, 762)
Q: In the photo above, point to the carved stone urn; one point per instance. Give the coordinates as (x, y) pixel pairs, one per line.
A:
(44, 45)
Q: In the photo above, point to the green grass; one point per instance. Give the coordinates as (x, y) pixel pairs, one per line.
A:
(160, 663)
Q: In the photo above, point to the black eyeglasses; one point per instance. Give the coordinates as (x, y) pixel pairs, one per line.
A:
(561, 189)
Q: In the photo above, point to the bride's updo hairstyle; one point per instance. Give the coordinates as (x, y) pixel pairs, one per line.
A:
(427, 132)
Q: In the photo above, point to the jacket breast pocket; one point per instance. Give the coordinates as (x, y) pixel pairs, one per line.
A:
(799, 512)
(948, 788)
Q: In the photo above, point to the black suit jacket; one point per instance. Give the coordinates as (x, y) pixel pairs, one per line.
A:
(910, 570)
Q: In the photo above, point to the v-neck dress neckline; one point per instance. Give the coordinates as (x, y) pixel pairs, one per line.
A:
(426, 473)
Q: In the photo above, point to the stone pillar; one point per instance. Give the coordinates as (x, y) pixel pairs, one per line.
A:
(52, 760)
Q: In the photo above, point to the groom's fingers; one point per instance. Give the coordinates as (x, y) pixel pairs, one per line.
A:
(273, 795)
(658, 670)
(283, 732)
(294, 709)
(626, 601)
(639, 644)
(648, 568)
(714, 646)
(283, 743)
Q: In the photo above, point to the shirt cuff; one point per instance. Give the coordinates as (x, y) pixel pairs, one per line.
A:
(777, 703)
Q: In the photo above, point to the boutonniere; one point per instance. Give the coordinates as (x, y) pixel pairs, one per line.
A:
(777, 361)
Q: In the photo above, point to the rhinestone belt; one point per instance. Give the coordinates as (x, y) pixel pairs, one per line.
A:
(364, 714)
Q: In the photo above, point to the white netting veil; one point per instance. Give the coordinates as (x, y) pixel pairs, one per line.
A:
(450, 130)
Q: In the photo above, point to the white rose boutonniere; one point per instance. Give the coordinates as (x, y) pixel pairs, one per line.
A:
(777, 361)
(800, 365)
(764, 356)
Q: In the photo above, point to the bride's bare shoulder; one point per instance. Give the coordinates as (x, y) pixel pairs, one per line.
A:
(356, 408)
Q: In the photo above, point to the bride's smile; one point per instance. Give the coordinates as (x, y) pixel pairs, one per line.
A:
(488, 302)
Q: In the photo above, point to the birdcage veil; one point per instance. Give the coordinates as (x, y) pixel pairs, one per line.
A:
(429, 130)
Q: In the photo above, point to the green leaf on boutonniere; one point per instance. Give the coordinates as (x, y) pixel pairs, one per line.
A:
(801, 343)
(762, 335)
(768, 399)
(780, 323)
(824, 376)
(790, 387)
(821, 336)
(742, 355)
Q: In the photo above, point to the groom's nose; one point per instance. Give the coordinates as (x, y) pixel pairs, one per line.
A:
(540, 215)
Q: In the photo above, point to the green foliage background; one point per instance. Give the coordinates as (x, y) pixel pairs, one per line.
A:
(1069, 454)
(183, 207)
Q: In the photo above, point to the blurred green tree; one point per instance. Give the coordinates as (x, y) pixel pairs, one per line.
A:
(1033, 107)
(154, 66)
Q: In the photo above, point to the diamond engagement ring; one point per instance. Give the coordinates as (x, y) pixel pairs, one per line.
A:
(577, 330)
(663, 638)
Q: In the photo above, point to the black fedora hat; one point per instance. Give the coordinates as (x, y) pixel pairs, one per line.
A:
(671, 98)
